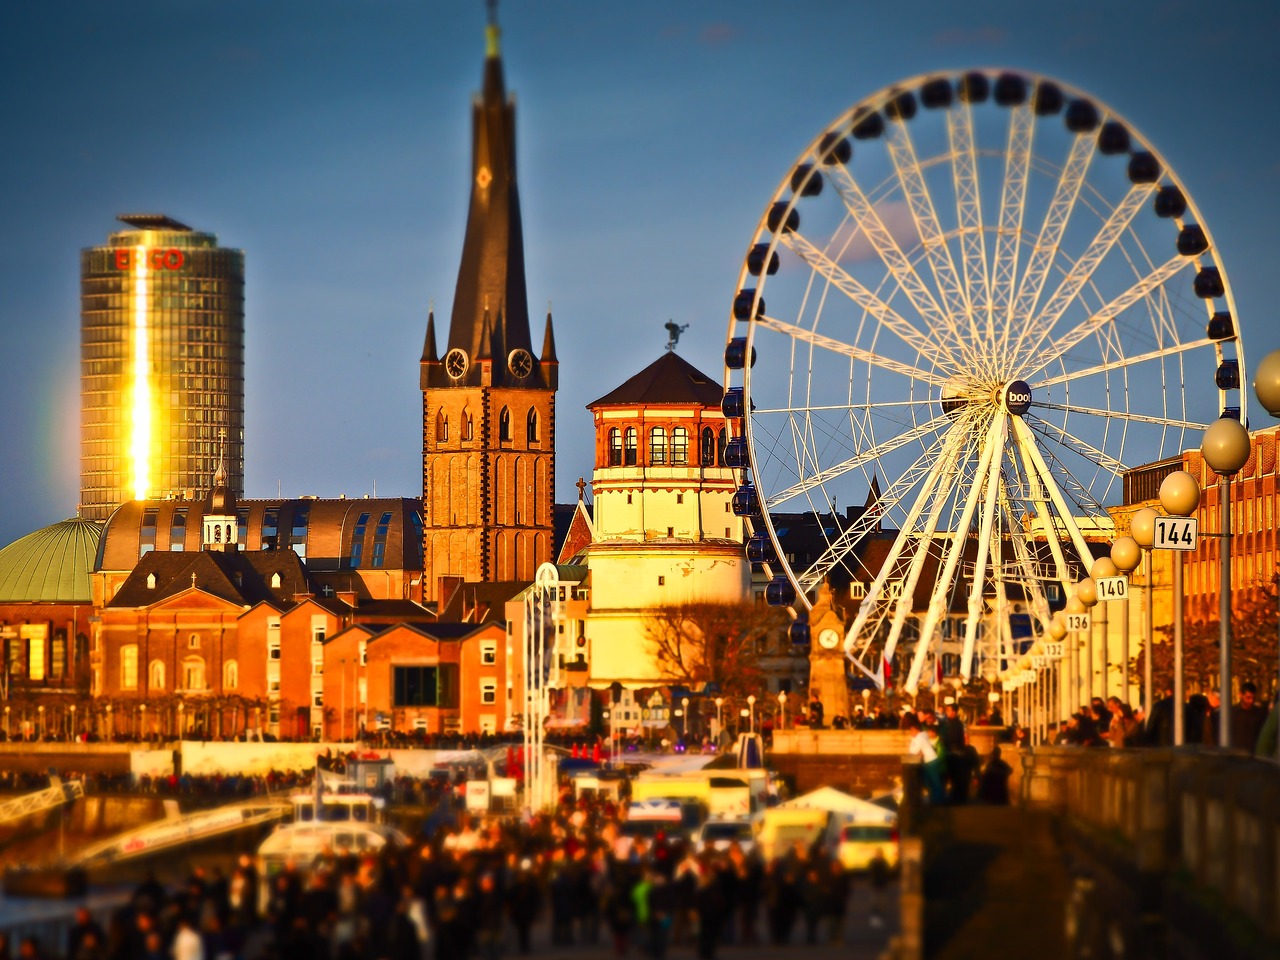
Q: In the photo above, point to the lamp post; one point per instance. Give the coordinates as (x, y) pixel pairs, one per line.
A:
(1057, 634)
(751, 705)
(40, 711)
(1125, 555)
(742, 714)
(72, 709)
(1226, 449)
(1266, 384)
(684, 705)
(7, 735)
(1087, 594)
(111, 730)
(142, 721)
(719, 719)
(182, 716)
(1104, 569)
(1179, 495)
(1142, 527)
(782, 708)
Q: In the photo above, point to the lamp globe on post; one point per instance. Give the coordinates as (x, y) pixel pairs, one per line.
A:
(1057, 631)
(1266, 384)
(1103, 569)
(1087, 594)
(1125, 557)
(1226, 449)
(1142, 528)
(1180, 496)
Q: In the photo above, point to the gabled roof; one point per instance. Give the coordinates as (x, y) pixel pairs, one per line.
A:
(578, 536)
(476, 603)
(669, 379)
(241, 577)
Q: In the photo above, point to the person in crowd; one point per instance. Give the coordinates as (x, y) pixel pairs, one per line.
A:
(921, 746)
(993, 784)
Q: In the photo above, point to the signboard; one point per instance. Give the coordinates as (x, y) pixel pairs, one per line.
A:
(157, 259)
(1176, 533)
(1113, 588)
(477, 794)
(1054, 649)
(1077, 622)
(1040, 662)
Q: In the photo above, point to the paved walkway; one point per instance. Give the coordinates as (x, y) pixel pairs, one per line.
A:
(995, 884)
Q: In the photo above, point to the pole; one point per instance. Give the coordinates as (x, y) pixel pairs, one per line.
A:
(1224, 617)
(1106, 649)
(1179, 725)
(1124, 645)
(1148, 627)
(1088, 655)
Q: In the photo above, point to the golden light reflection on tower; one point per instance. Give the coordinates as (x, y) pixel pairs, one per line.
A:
(140, 442)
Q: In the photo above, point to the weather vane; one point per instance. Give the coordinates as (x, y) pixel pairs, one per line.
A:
(673, 333)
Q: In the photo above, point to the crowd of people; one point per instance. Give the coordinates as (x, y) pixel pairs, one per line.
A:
(476, 887)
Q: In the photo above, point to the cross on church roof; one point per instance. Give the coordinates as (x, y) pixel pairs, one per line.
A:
(581, 485)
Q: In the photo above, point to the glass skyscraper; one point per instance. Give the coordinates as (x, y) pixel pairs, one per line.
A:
(161, 365)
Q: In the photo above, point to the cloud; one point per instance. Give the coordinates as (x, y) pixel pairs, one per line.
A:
(717, 34)
(896, 217)
(988, 36)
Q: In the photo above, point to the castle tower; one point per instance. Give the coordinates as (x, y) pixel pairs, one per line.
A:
(488, 404)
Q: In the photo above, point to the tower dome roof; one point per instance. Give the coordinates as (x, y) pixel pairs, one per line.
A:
(51, 565)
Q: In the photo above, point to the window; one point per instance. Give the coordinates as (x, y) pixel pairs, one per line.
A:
(468, 426)
(193, 673)
(178, 529)
(416, 686)
(380, 539)
(270, 528)
(662, 581)
(679, 498)
(531, 427)
(129, 667)
(364, 653)
(273, 638)
(488, 691)
(629, 445)
(504, 425)
(357, 540)
(679, 446)
(442, 427)
(193, 642)
(488, 652)
(231, 675)
(721, 439)
(657, 446)
(708, 451)
(155, 675)
(275, 581)
(615, 447)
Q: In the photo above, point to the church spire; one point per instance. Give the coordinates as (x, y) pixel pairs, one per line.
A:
(491, 276)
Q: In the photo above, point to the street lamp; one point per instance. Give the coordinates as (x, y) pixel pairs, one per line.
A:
(1125, 556)
(1103, 568)
(1087, 594)
(1226, 449)
(1142, 527)
(782, 707)
(1179, 495)
(684, 705)
(1266, 384)
(182, 715)
(142, 721)
(72, 708)
(111, 730)
(7, 736)
(751, 704)
(743, 714)
(719, 719)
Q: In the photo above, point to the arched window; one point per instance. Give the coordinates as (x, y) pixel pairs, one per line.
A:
(679, 446)
(721, 440)
(442, 427)
(155, 675)
(504, 425)
(657, 446)
(193, 673)
(708, 453)
(629, 447)
(615, 447)
(468, 426)
(230, 675)
(129, 667)
(531, 427)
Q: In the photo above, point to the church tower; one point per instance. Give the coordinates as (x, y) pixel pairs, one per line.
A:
(488, 403)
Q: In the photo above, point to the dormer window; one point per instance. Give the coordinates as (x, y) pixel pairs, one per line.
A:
(151, 581)
(275, 581)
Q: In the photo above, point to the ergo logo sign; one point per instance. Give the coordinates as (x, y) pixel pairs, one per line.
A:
(158, 259)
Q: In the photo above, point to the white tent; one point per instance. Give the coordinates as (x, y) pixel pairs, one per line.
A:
(839, 802)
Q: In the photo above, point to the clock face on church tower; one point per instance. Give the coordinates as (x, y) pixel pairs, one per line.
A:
(829, 639)
(455, 362)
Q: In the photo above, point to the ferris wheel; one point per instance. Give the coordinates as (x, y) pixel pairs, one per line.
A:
(973, 302)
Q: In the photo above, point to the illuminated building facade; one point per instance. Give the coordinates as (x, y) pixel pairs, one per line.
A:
(161, 365)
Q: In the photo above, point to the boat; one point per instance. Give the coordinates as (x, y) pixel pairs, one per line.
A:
(335, 818)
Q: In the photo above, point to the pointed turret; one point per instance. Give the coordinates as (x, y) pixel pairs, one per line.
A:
(221, 524)
(491, 276)
(549, 343)
(429, 354)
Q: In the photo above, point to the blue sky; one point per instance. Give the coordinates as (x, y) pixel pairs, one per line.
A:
(330, 142)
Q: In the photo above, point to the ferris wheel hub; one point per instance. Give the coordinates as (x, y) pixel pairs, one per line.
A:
(1017, 397)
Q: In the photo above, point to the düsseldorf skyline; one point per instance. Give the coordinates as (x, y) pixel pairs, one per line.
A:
(330, 142)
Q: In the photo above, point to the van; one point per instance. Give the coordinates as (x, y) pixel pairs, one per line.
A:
(860, 841)
(783, 828)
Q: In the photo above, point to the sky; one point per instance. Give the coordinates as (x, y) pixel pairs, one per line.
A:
(330, 141)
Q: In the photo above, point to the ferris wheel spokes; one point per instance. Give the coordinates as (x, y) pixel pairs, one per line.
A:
(989, 508)
(805, 335)
(1013, 199)
(973, 237)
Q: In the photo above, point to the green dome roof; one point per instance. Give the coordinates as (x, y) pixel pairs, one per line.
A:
(51, 565)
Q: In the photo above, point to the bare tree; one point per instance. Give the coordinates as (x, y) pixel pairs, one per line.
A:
(719, 643)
